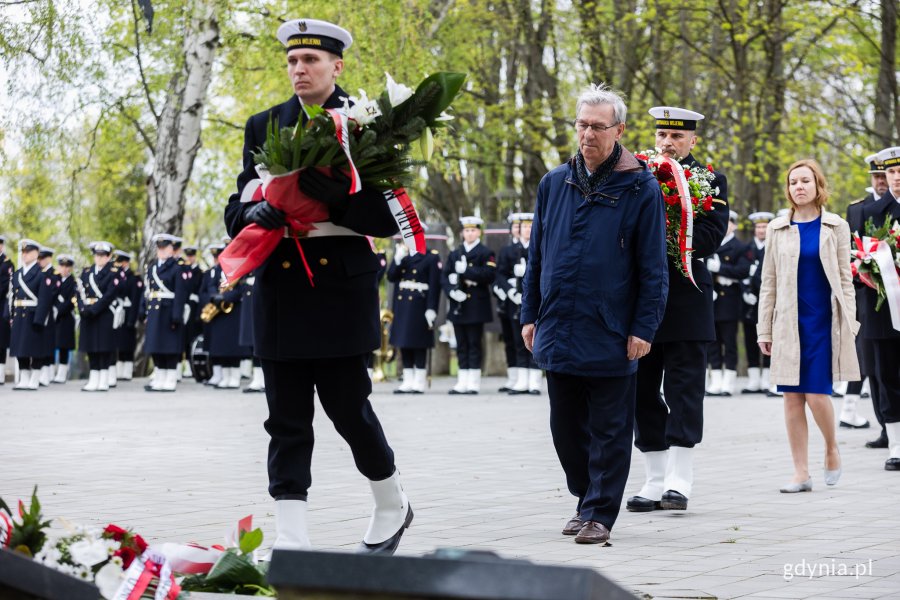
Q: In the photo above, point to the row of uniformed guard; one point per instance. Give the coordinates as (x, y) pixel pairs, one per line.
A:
(39, 317)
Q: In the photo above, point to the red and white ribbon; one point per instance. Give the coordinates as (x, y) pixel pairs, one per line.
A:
(686, 229)
(343, 136)
(411, 231)
(880, 252)
(141, 574)
(6, 529)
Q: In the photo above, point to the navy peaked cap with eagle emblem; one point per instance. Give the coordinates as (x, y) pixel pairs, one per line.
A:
(672, 117)
(316, 34)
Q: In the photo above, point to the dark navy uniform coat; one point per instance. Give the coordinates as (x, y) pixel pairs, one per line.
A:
(735, 266)
(855, 213)
(506, 259)
(476, 282)
(339, 316)
(132, 291)
(245, 331)
(753, 283)
(224, 329)
(65, 302)
(97, 333)
(689, 311)
(28, 322)
(417, 288)
(49, 334)
(165, 306)
(877, 324)
(6, 273)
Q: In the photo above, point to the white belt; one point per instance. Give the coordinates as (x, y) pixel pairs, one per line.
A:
(162, 295)
(192, 298)
(323, 229)
(470, 283)
(23, 303)
(413, 285)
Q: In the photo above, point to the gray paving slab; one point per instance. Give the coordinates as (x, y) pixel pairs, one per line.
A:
(481, 473)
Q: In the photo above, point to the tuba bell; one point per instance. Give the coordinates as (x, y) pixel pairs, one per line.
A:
(385, 352)
(211, 310)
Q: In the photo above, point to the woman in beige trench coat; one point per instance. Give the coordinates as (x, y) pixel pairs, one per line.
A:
(807, 316)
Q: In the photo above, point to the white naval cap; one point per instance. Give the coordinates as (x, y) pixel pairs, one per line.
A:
(875, 165)
(471, 221)
(66, 260)
(673, 117)
(733, 216)
(28, 244)
(101, 247)
(761, 217)
(215, 247)
(46, 251)
(316, 34)
(523, 217)
(164, 239)
(889, 157)
(122, 255)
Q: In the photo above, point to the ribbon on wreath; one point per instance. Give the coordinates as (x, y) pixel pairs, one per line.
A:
(6, 530)
(686, 227)
(411, 230)
(878, 250)
(141, 574)
(194, 559)
(343, 137)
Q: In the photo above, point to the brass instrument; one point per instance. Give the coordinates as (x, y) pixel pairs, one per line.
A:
(212, 310)
(385, 353)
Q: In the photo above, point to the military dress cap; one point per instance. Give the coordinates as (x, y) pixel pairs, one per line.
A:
(65, 260)
(889, 157)
(28, 244)
(672, 117)
(122, 255)
(2, 239)
(761, 217)
(164, 239)
(101, 247)
(732, 216)
(45, 251)
(316, 34)
(875, 165)
(190, 250)
(176, 243)
(471, 221)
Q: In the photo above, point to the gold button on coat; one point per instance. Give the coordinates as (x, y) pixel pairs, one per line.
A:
(323, 261)
(286, 264)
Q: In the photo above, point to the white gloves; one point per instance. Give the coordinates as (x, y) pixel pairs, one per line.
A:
(512, 282)
(515, 296)
(460, 265)
(500, 292)
(724, 281)
(430, 316)
(400, 252)
(519, 268)
(453, 278)
(750, 298)
(753, 268)
(186, 315)
(714, 263)
(458, 295)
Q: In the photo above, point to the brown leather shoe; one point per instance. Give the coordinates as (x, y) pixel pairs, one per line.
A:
(573, 526)
(592, 533)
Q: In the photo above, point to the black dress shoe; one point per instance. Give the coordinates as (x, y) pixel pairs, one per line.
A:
(454, 392)
(880, 442)
(847, 425)
(892, 464)
(672, 500)
(641, 504)
(388, 546)
(504, 389)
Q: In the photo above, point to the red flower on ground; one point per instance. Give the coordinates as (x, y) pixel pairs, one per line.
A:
(140, 543)
(115, 531)
(126, 554)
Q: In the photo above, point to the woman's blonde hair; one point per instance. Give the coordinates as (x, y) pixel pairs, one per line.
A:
(819, 176)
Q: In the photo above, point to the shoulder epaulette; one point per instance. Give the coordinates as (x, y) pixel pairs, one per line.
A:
(115, 269)
(722, 202)
(857, 201)
(435, 252)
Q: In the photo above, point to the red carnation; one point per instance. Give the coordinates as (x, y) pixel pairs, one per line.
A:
(687, 173)
(126, 554)
(672, 199)
(140, 543)
(710, 169)
(665, 167)
(695, 201)
(640, 156)
(707, 203)
(115, 531)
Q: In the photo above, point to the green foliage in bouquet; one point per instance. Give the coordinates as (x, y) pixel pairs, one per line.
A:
(380, 148)
(28, 535)
(887, 232)
(235, 572)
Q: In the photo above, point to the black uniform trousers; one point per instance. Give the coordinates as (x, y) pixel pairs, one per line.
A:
(511, 331)
(413, 357)
(524, 358)
(592, 420)
(468, 344)
(97, 361)
(343, 386)
(887, 365)
(676, 420)
(165, 361)
(726, 335)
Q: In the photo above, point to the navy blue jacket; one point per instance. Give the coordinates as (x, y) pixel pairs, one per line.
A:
(28, 322)
(224, 329)
(596, 269)
(165, 307)
(476, 281)
(735, 268)
(417, 288)
(6, 273)
(97, 333)
(66, 300)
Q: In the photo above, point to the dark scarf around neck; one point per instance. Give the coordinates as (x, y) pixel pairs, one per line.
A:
(591, 183)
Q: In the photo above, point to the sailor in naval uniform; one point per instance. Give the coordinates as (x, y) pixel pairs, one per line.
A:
(45, 260)
(509, 328)
(416, 296)
(29, 306)
(99, 293)
(755, 251)
(467, 278)
(6, 273)
(126, 335)
(64, 307)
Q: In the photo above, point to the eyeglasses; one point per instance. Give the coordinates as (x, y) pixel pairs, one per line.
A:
(595, 127)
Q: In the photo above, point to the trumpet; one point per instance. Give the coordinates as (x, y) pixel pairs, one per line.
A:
(385, 353)
(211, 310)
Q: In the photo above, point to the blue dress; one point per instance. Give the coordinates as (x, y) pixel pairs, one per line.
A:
(814, 314)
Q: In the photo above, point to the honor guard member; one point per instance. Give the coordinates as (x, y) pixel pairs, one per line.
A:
(131, 302)
(6, 273)
(666, 430)
(167, 289)
(45, 260)
(729, 266)
(64, 308)
(509, 328)
(98, 290)
(417, 293)
(245, 334)
(194, 326)
(849, 416)
(318, 338)
(224, 329)
(467, 278)
(528, 374)
(877, 325)
(757, 363)
(214, 251)
(30, 304)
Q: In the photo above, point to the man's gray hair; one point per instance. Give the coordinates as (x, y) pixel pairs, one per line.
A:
(601, 93)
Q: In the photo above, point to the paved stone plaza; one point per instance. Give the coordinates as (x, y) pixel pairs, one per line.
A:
(481, 473)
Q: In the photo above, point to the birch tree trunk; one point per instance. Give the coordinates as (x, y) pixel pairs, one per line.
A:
(179, 125)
